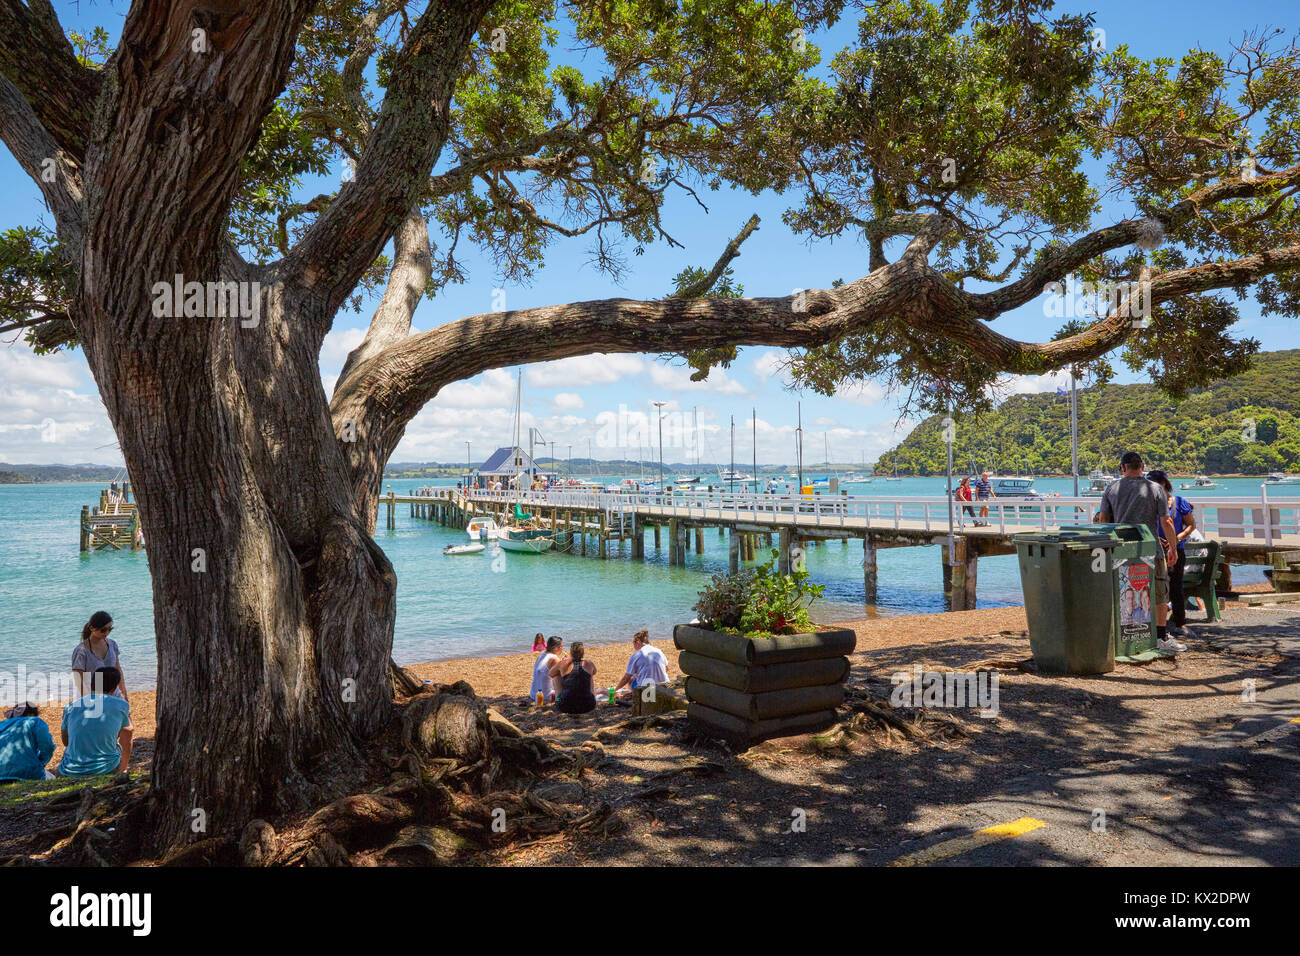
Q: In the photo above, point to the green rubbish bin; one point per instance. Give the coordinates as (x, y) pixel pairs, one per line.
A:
(1068, 604)
(1132, 568)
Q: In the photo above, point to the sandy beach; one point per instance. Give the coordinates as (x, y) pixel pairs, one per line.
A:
(509, 675)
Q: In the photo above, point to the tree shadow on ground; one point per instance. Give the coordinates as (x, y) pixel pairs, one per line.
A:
(1064, 745)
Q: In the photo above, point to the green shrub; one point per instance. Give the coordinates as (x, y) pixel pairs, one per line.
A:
(759, 602)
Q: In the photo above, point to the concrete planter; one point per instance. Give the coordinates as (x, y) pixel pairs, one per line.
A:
(745, 690)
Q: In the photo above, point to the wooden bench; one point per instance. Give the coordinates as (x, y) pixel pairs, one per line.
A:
(1200, 583)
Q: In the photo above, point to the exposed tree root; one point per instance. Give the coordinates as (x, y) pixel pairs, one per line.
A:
(461, 779)
(873, 721)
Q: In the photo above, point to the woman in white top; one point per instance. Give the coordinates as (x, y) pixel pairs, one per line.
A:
(543, 683)
(96, 650)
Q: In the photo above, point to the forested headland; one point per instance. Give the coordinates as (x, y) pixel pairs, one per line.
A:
(1248, 424)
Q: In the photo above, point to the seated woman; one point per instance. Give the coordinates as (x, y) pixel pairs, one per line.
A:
(26, 745)
(575, 674)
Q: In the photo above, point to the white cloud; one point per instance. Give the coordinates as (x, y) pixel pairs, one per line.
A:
(492, 389)
(598, 369)
(768, 364)
(19, 365)
(568, 401)
(1030, 384)
(677, 378)
(860, 393)
(338, 344)
(44, 416)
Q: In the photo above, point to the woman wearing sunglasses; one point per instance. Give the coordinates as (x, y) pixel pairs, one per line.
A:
(96, 650)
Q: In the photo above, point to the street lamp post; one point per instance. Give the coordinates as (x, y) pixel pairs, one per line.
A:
(1074, 429)
(660, 407)
(731, 483)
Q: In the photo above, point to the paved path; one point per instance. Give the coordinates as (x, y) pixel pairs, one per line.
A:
(1231, 798)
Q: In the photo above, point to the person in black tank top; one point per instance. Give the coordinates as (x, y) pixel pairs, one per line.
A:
(575, 688)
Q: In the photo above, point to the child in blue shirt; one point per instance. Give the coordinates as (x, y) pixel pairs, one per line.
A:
(25, 745)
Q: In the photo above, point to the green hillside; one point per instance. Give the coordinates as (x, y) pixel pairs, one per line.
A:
(1209, 432)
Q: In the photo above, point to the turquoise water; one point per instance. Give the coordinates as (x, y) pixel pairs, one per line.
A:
(455, 606)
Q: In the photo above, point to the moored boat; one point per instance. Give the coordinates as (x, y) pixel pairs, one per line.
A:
(481, 528)
(1098, 482)
(526, 540)
(474, 547)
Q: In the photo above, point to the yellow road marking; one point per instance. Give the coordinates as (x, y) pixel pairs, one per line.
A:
(1270, 736)
(950, 848)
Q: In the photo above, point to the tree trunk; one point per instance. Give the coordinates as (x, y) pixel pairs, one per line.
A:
(274, 609)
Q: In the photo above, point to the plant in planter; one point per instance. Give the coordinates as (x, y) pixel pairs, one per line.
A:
(756, 666)
(759, 602)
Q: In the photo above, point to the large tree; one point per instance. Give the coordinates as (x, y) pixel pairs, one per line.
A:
(951, 139)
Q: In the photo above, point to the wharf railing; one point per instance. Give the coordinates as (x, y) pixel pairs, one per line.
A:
(1266, 518)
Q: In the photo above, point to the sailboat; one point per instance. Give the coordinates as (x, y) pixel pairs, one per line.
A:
(859, 477)
(521, 534)
(894, 477)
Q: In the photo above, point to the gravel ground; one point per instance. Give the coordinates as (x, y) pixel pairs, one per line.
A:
(686, 800)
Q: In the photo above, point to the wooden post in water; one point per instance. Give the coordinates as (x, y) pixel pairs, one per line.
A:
(672, 541)
(85, 527)
(733, 551)
(699, 540)
(657, 544)
(870, 571)
(392, 518)
(783, 560)
(970, 574)
(954, 573)
(604, 535)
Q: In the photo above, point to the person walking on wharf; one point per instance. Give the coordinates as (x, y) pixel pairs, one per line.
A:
(1134, 499)
(983, 492)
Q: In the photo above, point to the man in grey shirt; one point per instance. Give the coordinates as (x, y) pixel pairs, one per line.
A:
(1135, 500)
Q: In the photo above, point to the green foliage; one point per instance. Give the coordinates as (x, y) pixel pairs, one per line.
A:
(722, 603)
(36, 281)
(759, 602)
(703, 361)
(1207, 431)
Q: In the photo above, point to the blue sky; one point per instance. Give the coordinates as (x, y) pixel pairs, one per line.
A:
(597, 399)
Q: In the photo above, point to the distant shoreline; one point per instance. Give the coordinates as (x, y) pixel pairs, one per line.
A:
(22, 479)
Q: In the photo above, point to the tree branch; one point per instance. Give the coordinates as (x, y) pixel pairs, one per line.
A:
(394, 169)
(52, 169)
(702, 287)
(402, 378)
(1059, 264)
(36, 57)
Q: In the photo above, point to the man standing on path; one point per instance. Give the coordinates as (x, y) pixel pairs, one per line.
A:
(1136, 500)
(983, 492)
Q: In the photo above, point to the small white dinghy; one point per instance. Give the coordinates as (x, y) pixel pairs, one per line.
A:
(474, 547)
(482, 528)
